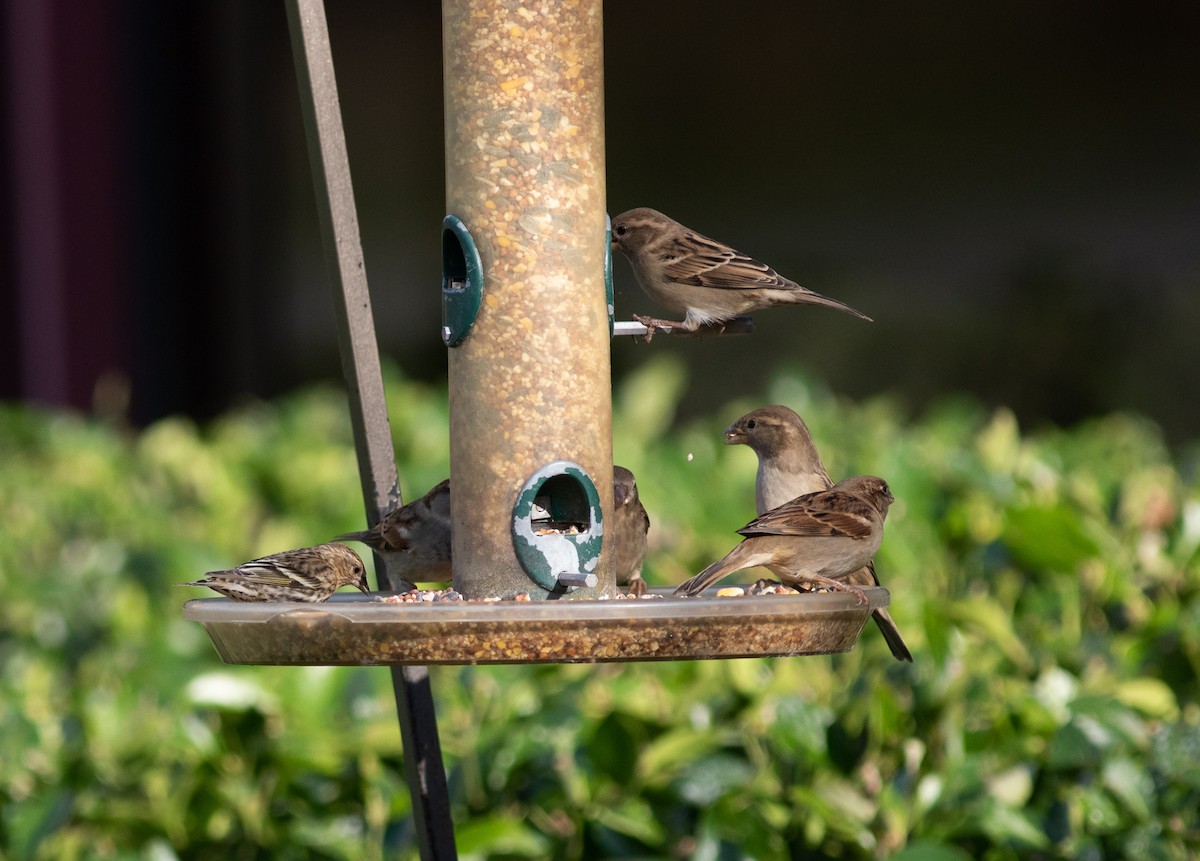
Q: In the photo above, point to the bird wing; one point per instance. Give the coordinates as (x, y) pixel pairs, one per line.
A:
(704, 262)
(824, 514)
(269, 572)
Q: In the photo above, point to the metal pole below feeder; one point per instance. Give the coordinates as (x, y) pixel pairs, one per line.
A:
(423, 765)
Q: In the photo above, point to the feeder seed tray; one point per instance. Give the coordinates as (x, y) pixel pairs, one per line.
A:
(360, 630)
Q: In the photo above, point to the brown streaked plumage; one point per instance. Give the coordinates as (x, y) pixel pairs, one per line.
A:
(814, 540)
(310, 574)
(414, 540)
(705, 280)
(629, 533)
(789, 466)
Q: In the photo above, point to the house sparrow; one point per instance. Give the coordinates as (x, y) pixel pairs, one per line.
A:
(705, 280)
(789, 466)
(816, 539)
(310, 574)
(629, 533)
(788, 463)
(414, 540)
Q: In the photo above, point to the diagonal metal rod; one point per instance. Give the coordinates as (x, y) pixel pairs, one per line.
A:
(423, 765)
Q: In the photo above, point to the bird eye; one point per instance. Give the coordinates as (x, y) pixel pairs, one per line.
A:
(622, 230)
(751, 425)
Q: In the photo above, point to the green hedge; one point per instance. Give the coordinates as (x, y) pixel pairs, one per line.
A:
(1048, 584)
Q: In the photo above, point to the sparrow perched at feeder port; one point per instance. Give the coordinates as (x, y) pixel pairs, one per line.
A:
(789, 466)
(416, 536)
(705, 280)
(310, 574)
(629, 533)
(814, 540)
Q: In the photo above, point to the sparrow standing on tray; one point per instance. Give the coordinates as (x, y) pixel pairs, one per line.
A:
(629, 533)
(814, 540)
(789, 466)
(705, 280)
(310, 574)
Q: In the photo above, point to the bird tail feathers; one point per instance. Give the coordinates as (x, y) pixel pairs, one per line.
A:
(892, 635)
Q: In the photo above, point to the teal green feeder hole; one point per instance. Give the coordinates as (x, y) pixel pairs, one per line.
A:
(462, 281)
(558, 528)
(608, 275)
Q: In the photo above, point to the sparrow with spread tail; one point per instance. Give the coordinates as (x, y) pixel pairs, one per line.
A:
(310, 574)
(629, 533)
(814, 540)
(705, 280)
(416, 536)
(789, 466)
(414, 540)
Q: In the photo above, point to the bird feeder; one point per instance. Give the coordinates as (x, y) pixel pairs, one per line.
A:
(527, 323)
(527, 319)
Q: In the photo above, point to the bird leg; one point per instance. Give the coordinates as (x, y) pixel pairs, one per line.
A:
(652, 323)
(837, 586)
(637, 587)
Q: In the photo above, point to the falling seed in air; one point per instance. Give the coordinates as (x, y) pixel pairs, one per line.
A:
(689, 457)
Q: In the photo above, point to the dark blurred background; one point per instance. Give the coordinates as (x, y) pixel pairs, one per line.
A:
(1011, 190)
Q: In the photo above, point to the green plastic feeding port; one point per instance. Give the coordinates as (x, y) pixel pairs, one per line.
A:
(608, 276)
(557, 527)
(462, 281)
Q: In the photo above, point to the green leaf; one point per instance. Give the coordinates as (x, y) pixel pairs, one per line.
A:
(924, 850)
(1151, 697)
(662, 758)
(708, 779)
(488, 836)
(1048, 538)
(1176, 752)
(1009, 825)
(1131, 784)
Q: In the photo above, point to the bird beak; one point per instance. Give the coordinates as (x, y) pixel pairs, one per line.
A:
(734, 435)
(620, 495)
(362, 586)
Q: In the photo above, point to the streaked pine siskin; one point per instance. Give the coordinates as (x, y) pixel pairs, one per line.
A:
(310, 574)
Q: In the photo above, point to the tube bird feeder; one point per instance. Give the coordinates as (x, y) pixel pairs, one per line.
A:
(530, 396)
(527, 323)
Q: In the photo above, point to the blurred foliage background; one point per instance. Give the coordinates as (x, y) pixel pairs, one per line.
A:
(1048, 583)
(1009, 191)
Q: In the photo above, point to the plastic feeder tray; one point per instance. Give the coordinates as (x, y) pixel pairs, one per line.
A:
(359, 629)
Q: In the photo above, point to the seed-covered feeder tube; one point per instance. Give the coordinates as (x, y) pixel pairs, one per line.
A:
(530, 380)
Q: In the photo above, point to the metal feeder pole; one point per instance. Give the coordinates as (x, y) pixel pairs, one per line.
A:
(423, 765)
(530, 383)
